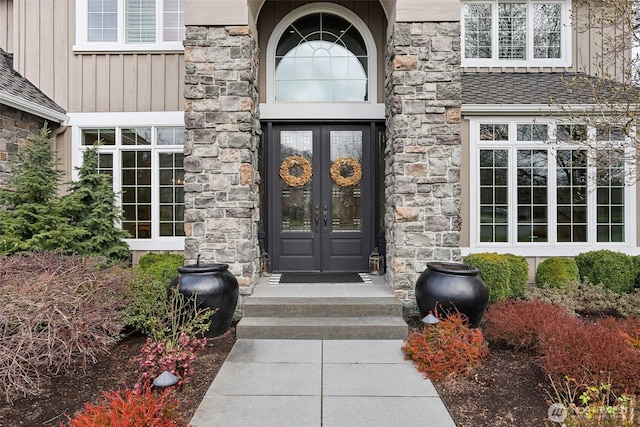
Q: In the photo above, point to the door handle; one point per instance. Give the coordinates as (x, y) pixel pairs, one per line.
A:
(317, 217)
(325, 216)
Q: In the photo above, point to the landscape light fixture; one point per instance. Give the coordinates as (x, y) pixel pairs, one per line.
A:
(165, 379)
(430, 319)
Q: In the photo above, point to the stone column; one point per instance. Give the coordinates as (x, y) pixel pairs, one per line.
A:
(221, 149)
(423, 97)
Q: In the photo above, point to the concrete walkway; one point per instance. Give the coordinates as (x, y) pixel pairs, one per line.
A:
(309, 383)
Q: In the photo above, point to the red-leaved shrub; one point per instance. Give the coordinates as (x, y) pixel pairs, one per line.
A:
(518, 322)
(129, 408)
(176, 357)
(449, 348)
(592, 353)
(57, 313)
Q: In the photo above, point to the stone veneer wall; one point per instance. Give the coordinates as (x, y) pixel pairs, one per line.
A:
(423, 98)
(221, 149)
(15, 129)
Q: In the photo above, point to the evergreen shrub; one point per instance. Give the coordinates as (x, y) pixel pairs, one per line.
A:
(557, 272)
(519, 269)
(615, 270)
(495, 272)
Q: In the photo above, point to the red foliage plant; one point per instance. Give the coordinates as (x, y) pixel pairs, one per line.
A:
(129, 408)
(592, 353)
(177, 358)
(519, 322)
(447, 349)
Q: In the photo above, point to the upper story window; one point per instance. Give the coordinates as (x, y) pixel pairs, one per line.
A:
(523, 33)
(129, 25)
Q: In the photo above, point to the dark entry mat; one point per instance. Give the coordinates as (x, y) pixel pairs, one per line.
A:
(320, 278)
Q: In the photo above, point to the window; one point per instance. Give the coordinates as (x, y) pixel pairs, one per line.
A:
(145, 163)
(541, 184)
(321, 58)
(526, 31)
(129, 24)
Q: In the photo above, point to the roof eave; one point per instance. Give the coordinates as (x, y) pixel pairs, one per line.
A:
(33, 108)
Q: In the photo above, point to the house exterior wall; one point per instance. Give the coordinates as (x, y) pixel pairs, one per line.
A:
(15, 129)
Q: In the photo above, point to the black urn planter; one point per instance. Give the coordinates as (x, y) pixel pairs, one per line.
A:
(215, 287)
(448, 286)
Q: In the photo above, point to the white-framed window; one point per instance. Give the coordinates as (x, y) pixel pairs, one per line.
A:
(516, 33)
(143, 154)
(538, 185)
(129, 25)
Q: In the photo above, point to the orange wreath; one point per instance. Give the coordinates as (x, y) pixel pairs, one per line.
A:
(292, 180)
(346, 181)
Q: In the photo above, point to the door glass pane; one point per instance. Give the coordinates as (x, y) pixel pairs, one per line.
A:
(296, 169)
(346, 180)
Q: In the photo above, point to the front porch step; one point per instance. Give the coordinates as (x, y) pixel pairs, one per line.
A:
(322, 307)
(325, 328)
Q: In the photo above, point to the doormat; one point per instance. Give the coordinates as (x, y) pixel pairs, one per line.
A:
(305, 277)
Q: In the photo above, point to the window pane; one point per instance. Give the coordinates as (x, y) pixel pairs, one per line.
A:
(102, 21)
(139, 136)
(102, 136)
(477, 31)
(547, 31)
(171, 193)
(140, 21)
(173, 20)
(532, 180)
(512, 31)
(610, 196)
(493, 191)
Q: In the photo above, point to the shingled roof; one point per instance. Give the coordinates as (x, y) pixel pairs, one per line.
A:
(524, 89)
(20, 93)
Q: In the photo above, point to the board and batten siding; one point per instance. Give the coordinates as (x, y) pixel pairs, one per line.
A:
(44, 35)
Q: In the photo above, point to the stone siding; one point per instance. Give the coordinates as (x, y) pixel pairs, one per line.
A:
(422, 166)
(221, 146)
(16, 127)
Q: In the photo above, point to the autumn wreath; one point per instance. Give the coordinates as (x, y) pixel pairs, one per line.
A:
(346, 181)
(292, 180)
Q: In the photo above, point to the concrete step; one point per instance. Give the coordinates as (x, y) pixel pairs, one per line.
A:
(325, 328)
(322, 307)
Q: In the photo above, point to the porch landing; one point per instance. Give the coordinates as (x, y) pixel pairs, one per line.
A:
(326, 311)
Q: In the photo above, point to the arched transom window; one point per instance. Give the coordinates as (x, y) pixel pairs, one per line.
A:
(321, 57)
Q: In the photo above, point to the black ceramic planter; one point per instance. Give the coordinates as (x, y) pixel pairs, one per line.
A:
(447, 286)
(215, 287)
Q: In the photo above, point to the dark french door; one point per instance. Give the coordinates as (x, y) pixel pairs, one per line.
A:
(320, 197)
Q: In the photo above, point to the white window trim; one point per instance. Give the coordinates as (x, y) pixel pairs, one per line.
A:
(80, 121)
(308, 110)
(550, 248)
(563, 61)
(84, 45)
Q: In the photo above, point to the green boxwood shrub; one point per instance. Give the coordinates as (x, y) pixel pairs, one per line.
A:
(519, 268)
(557, 272)
(615, 270)
(495, 272)
(149, 290)
(163, 266)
